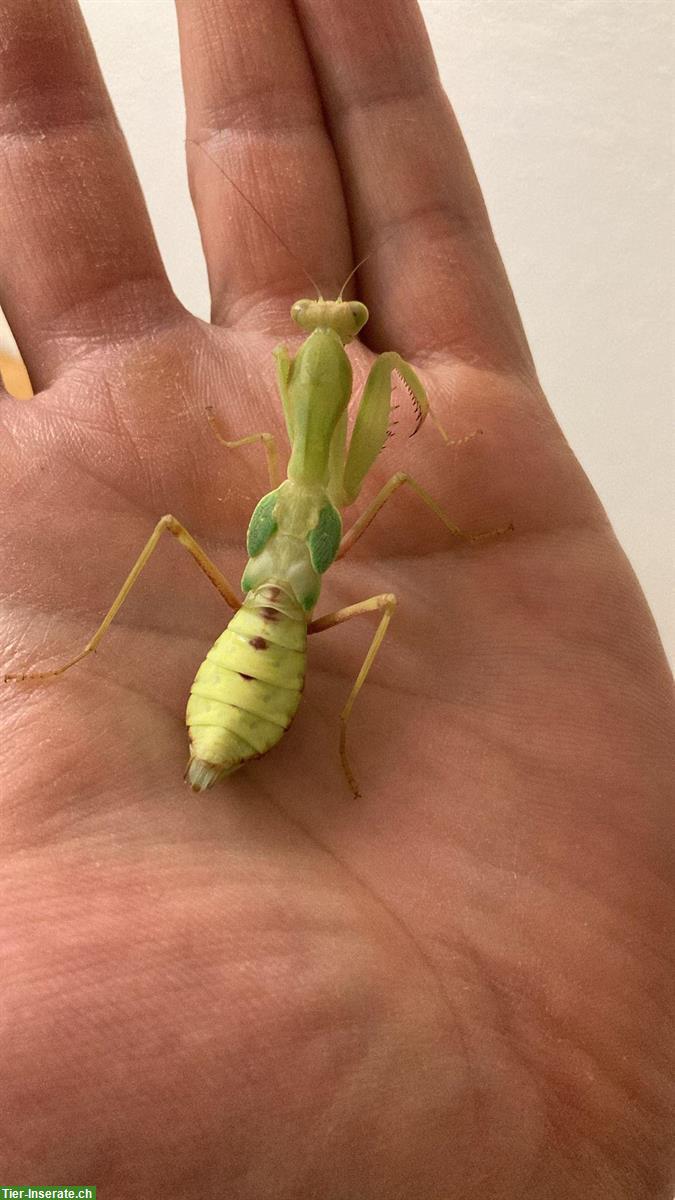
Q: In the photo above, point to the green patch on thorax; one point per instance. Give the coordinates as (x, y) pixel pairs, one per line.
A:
(324, 538)
(262, 524)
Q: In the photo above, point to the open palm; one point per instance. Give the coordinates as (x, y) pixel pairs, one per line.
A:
(456, 985)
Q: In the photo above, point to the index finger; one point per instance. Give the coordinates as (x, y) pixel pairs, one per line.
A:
(82, 265)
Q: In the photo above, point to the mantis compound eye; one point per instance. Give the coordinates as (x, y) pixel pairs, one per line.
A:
(359, 314)
(299, 311)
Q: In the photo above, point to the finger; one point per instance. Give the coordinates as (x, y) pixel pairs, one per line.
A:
(82, 260)
(438, 282)
(252, 103)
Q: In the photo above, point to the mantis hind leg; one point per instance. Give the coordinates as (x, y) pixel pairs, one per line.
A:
(269, 444)
(171, 525)
(384, 603)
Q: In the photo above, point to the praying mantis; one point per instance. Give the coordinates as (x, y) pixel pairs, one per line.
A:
(247, 691)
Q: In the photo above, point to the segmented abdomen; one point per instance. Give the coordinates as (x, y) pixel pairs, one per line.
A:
(248, 688)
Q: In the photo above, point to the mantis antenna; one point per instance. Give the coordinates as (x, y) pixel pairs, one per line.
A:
(277, 235)
(370, 254)
(242, 193)
(353, 271)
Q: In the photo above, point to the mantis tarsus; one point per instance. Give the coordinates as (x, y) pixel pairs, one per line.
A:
(248, 688)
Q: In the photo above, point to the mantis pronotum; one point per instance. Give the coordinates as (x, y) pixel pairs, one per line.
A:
(248, 688)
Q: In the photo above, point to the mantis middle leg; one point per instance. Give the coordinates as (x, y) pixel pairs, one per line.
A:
(384, 603)
(268, 440)
(171, 525)
(361, 524)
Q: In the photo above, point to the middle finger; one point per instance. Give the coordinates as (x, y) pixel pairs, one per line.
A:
(252, 103)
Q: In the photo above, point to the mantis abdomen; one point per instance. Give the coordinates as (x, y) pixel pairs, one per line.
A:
(248, 688)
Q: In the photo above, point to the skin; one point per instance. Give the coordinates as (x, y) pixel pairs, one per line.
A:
(457, 986)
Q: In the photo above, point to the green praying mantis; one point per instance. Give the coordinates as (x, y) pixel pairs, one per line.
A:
(247, 691)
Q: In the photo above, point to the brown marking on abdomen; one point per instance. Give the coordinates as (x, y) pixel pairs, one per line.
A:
(270, 614)
(258, 643)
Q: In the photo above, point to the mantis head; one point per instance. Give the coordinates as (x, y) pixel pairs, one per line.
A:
(345, 317)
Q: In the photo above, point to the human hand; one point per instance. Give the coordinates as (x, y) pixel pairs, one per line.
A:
(456, 986)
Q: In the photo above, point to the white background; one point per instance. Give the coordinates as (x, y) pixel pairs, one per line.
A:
(565, 105)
